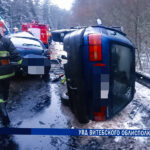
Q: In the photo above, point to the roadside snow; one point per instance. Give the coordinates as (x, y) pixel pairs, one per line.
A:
(136, 115)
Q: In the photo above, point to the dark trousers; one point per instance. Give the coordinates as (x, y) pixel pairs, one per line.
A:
(4, 92)
(4, 89)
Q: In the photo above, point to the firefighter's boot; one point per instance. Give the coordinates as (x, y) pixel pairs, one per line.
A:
(4, 114)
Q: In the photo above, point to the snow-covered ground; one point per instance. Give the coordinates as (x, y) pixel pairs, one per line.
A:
(57, 50)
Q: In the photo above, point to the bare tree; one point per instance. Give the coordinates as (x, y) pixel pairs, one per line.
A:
(133, 15)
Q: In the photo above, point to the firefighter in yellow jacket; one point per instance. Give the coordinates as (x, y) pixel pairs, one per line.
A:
(8, 54)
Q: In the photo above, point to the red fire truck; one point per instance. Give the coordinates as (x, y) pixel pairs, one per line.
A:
(40, 31)
(3, 27)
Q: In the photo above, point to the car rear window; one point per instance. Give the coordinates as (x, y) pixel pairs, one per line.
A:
(26, 43)
(122, 75)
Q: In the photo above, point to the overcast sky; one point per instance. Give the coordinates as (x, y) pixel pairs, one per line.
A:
(64, 4)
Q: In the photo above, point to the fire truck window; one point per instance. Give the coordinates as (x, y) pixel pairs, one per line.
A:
(122, 62)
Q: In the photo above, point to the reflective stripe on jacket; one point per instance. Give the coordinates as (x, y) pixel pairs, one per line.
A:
(4, 54)
(6, 69)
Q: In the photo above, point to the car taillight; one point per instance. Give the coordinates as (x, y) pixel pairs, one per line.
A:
(100, 116)
(49, 54)
(48, 34)
(4, 62)
(95, 47)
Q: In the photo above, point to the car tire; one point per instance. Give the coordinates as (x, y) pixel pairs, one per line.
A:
(47, 70)
(65, 99)
(46, 76)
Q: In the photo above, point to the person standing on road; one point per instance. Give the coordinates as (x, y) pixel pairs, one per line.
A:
(8, 53)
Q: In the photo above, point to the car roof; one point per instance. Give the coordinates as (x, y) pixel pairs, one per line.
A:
(25, 35)
(22, 34)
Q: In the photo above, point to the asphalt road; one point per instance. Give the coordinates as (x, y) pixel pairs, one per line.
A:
(34, 103)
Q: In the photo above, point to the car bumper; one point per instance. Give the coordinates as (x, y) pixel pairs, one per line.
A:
(35, 64)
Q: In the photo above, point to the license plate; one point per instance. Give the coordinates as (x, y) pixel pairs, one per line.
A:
(35, 69)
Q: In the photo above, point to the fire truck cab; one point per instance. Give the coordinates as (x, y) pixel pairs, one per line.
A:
(3, 28)
(40, 31)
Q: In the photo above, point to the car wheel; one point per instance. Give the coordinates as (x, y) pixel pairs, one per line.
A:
(65, 99)
(47, 70)
(46, 75)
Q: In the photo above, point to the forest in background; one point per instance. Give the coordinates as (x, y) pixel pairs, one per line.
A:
(132, 15)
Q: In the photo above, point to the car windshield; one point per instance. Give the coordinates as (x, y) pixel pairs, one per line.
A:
(24, 42)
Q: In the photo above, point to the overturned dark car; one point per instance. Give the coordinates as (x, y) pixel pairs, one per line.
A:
(100, 71)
